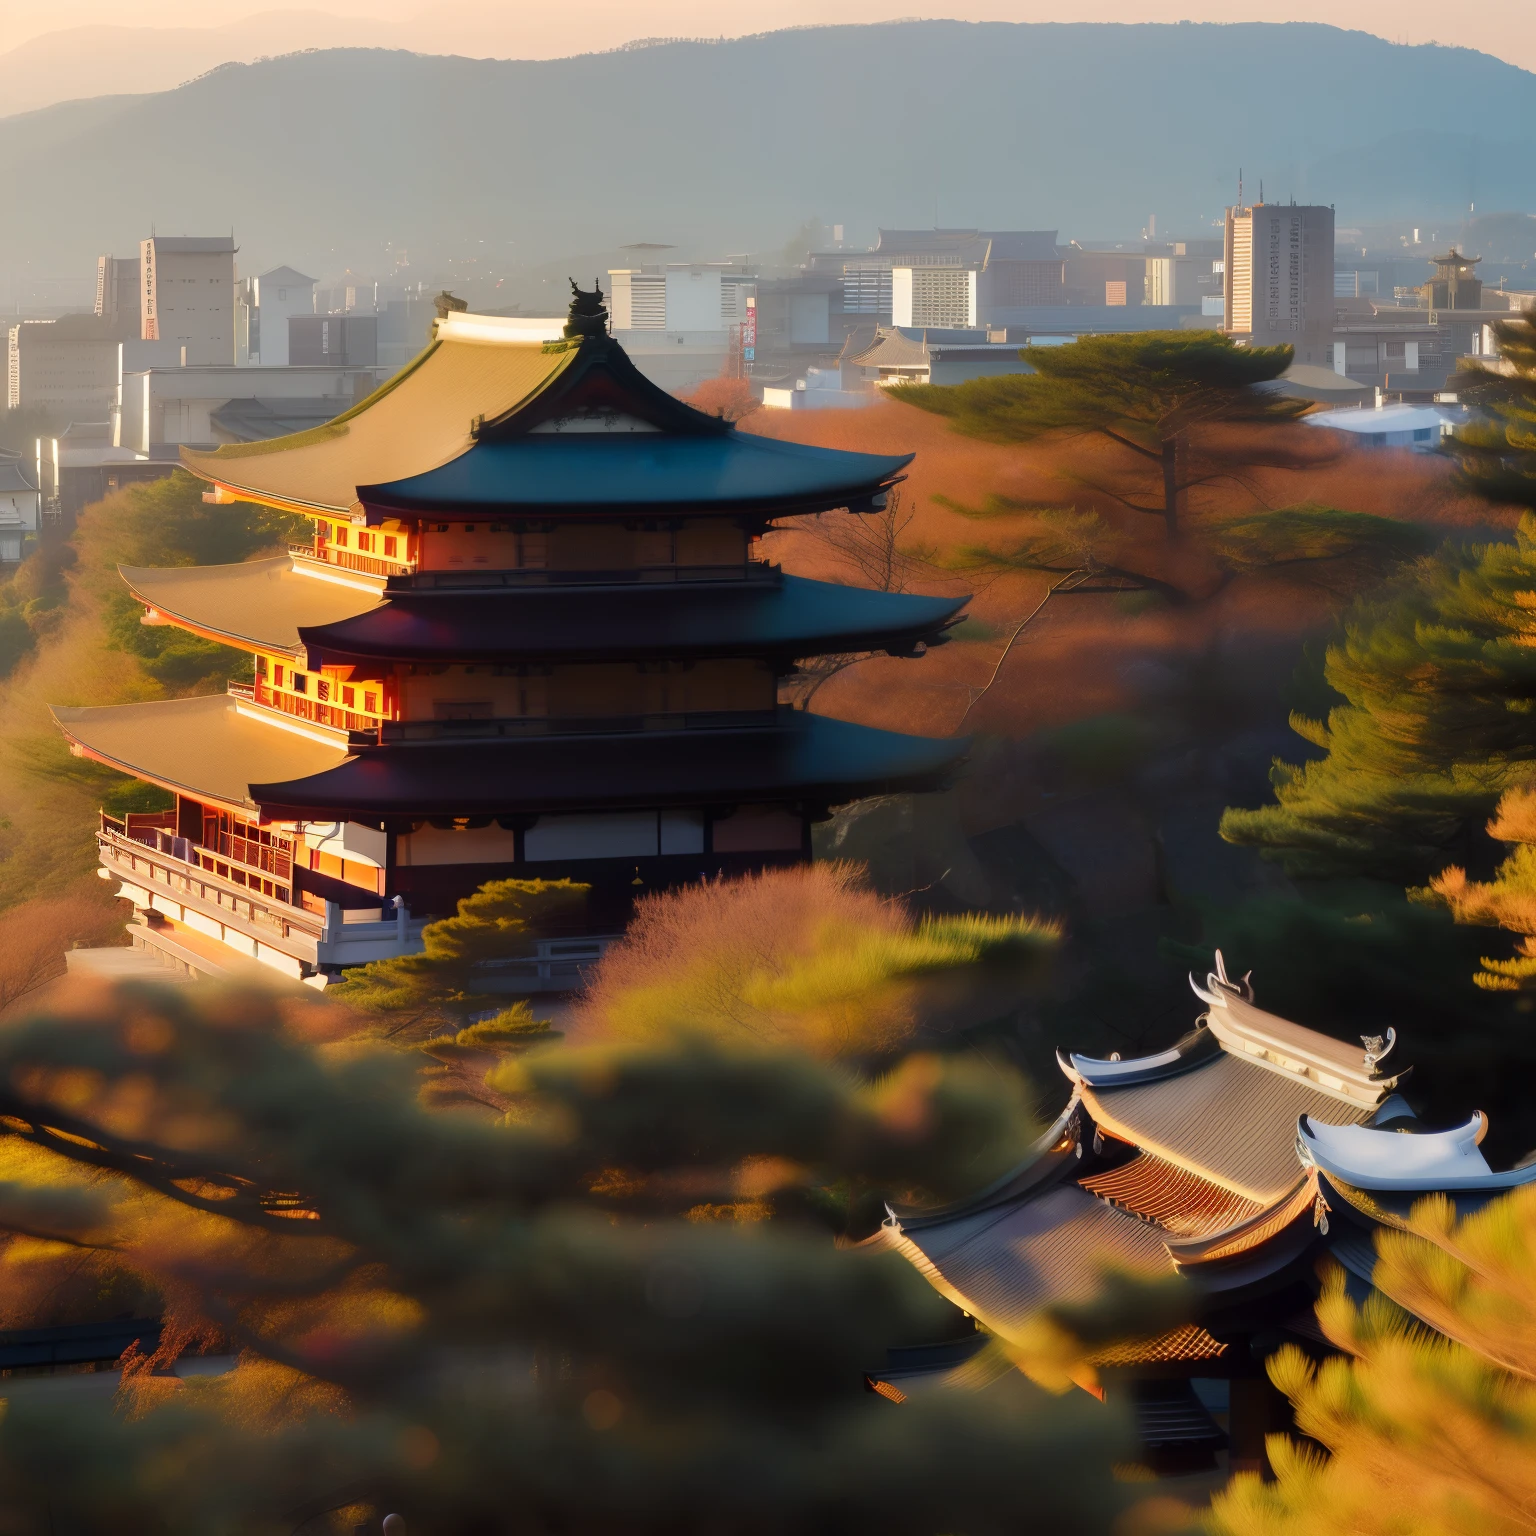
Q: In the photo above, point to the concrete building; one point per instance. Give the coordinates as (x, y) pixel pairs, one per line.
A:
(117, 295)
(953, 277)
(188, 296)
(20, 507)
(347, 341)
(1279, 278)
(66, 366)
(1173, 280)
(275, 298)
(162, 408)
(680, 296)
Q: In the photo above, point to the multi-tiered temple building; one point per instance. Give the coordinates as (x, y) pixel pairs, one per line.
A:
(532, 636)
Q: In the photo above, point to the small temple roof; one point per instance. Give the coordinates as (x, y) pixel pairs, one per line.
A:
(807, 756)
(1408, 1159)
(1003, 1264)
(593, 472)
(208, 747)
(261, 603)
(420, 418)
(789, 617)
(1230, 1122)
(895, 349)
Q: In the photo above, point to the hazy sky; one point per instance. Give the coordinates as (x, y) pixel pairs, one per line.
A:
(539, 29)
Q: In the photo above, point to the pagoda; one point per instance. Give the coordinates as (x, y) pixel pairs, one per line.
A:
(532, 636)
(1243, 1157)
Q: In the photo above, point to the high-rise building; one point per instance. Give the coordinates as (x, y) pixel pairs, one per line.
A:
(1279, 278)
(276, 296)
(117, 295)
(188, 295)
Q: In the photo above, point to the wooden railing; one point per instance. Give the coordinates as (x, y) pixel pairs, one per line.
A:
(302, 708)
(634, 575)
(348, 560)
(575, 725)
(175, 866)
(159, 833)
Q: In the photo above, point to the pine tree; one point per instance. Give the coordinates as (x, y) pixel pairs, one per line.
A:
(454, 974)
(1152, 395)
(1507, 901)
(1426, 1433)
(1437, 677)
(496, 1324)
(1496, 453)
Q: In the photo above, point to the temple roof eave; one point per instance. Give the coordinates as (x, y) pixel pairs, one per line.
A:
(783, 621)
(802, 757)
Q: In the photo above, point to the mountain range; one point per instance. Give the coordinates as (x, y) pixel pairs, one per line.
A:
(329, 158)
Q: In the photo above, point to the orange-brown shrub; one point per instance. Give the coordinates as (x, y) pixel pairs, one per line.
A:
(35, 935)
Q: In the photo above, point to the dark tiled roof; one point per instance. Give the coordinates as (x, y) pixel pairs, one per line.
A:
(797, 756)
(606, 471)
(792, 617)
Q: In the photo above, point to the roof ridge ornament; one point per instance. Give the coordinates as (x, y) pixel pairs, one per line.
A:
(1219, 986)
(1378, 1048)
(588, 315)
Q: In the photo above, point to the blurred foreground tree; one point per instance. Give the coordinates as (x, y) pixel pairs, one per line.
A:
(1149, 395)
(1437, 682)
(730, 398)
(1426, 1434)
(807, 957)
(491, 1324)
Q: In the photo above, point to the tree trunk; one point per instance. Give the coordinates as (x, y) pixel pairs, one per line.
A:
(1171, 455)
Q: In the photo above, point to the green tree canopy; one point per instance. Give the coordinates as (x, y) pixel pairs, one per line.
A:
(1146, 393)
(1497, 452)
(495, 1324)
(1437, 680)
(456, 973)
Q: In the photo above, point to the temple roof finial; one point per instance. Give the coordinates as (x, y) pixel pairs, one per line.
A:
(588, 315)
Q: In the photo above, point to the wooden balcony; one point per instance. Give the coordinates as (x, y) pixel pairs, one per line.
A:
(470, 577)
(172, 875)
(349, 560)
(300, 707)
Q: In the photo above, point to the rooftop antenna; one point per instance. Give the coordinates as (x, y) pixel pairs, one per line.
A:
(1239, 187)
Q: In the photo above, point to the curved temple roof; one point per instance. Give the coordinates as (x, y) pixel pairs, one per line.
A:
(800, 756)
(222, 748)
(263, 603)
(486, 421)
(420, 418)
(590, 472)
(790, 617)
(1369, 1158)
(208, 747)
(273, 605)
